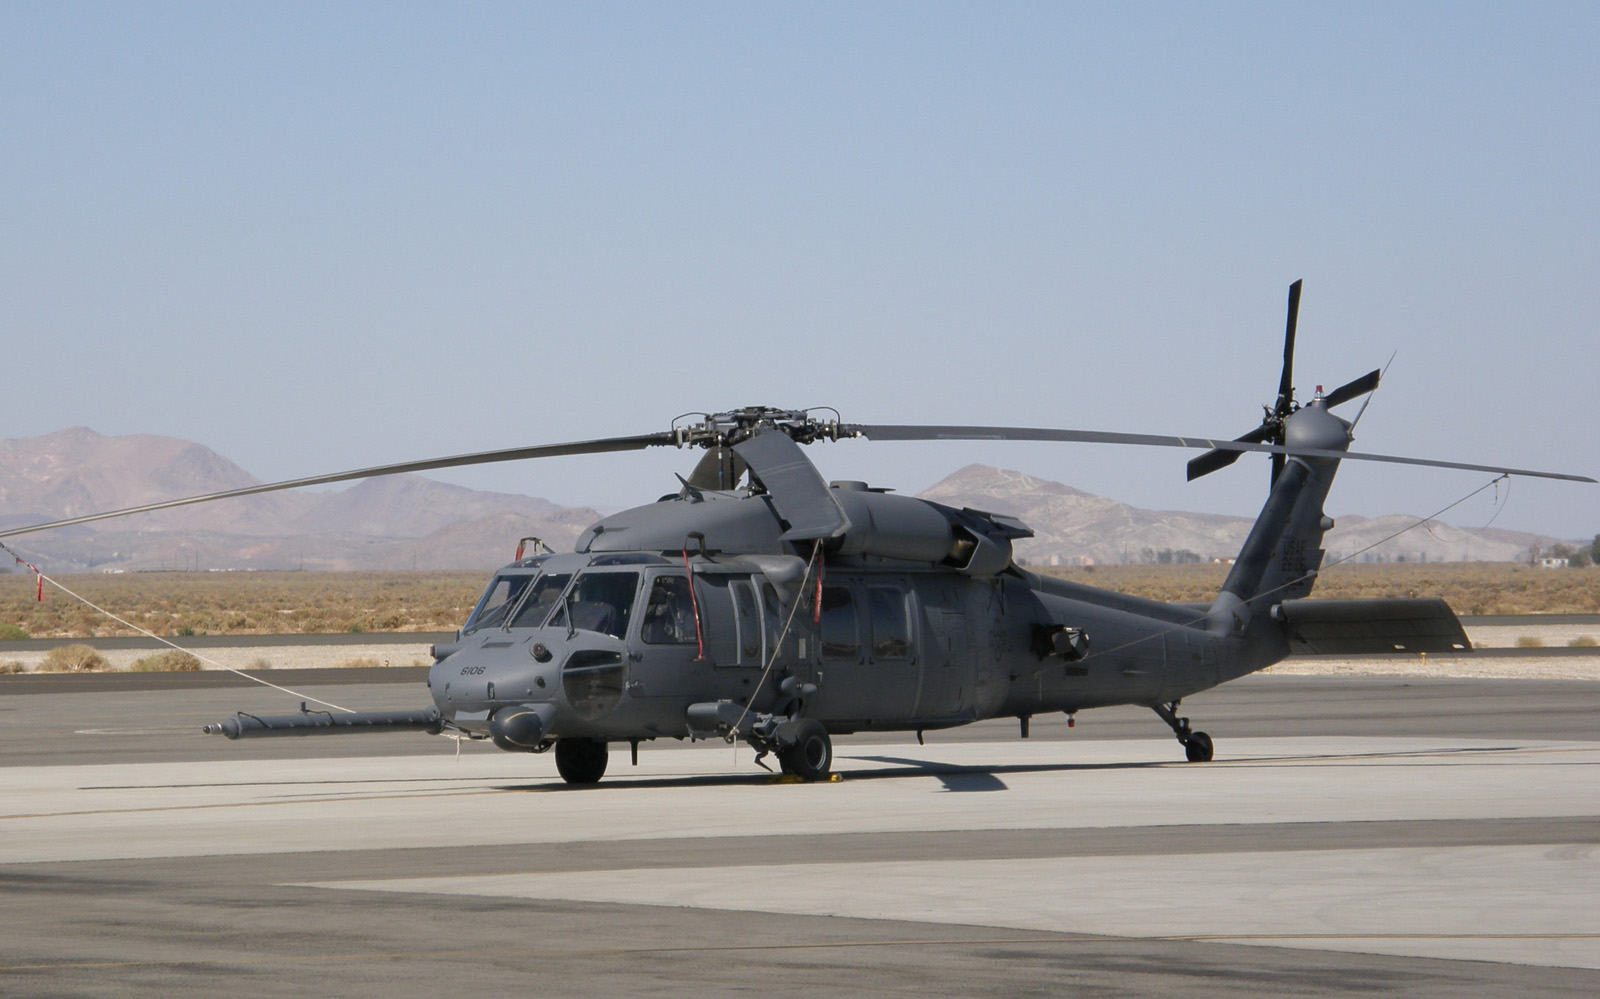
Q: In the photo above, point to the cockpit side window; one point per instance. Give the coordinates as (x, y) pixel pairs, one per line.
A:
(600, 601)
(500, 597)
(541, 600)
(669, 616)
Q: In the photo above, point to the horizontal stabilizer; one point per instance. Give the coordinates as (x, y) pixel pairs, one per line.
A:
(1361, 627)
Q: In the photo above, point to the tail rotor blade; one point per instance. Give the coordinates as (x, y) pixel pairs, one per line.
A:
(1368, 400)
(1211, 461)
(1361, 386)
(1286, 380)
(1214, 460)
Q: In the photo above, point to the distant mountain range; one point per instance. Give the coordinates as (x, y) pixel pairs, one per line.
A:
(397, 522)
(1071, 526)
(410, 522)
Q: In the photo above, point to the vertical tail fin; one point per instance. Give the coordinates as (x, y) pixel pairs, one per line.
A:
(1283, 552)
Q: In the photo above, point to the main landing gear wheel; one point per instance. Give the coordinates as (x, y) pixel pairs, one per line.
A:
(804, 749)
(581, 761)
(1196, 745)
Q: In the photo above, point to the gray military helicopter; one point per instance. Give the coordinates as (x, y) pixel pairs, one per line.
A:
(761, 603)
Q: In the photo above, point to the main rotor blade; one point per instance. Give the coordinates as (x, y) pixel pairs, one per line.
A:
(1211, 461)
(1361, 386)
(601, 446)
(933, 433)
(1286, 380)
(796, 487)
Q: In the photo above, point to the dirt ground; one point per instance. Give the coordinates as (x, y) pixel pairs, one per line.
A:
(1554, 667)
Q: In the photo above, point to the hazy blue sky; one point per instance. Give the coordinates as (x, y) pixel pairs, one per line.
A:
(318, 236)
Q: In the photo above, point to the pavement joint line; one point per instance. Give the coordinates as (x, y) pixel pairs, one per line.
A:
(568, 953)
(1224, 937)
(1435, 757)
(285, 783)
(214, 805)
(1077, 939)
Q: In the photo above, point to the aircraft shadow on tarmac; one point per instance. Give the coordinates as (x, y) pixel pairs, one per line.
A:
(955, 777)
(959, 777)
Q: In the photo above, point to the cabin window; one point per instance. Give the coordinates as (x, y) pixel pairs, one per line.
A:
(600, 601)
(749, 621)
(839, 632)
(771, 615)
(669, 615)
(891, 628)
(500, 597)
(717, 619)
(541, 599)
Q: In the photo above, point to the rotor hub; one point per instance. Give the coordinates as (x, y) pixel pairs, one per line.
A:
(737, 425)
(1314, 427)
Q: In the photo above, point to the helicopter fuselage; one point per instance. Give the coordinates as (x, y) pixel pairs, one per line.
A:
(792, 609)
(629, 645)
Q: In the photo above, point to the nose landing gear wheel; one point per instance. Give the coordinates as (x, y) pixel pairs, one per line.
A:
(581, 761)
(805, 750)
(1198, 748)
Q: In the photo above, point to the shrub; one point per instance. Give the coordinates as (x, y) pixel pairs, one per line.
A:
(362, 662)
(11, 633)
(72, 659)
(170, 661)
(13, 666)
(1530, 642)
(1583, 642)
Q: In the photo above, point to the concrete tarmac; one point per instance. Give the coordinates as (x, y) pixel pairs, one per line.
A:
(1354, 837)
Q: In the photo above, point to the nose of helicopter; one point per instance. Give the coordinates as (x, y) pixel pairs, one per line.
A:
(545, 668)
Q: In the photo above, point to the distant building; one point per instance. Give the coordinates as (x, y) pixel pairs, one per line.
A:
(1552, 563)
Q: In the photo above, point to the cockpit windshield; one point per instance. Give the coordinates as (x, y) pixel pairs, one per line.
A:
(499, 598)
(599, 601)
(540, 600)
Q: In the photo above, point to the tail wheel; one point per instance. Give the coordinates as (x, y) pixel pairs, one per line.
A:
(808, 753)
(581, 761)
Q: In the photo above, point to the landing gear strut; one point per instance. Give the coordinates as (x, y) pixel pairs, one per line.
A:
(1196, 745)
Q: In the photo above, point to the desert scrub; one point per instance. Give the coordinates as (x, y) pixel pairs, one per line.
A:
(1583, 642)
(278, 603)
(13, 666)
(12, 633)
(1530, 642)
(170, 661)
(360, 662)
(72, 659)
(245, 603)
(1468, 587)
